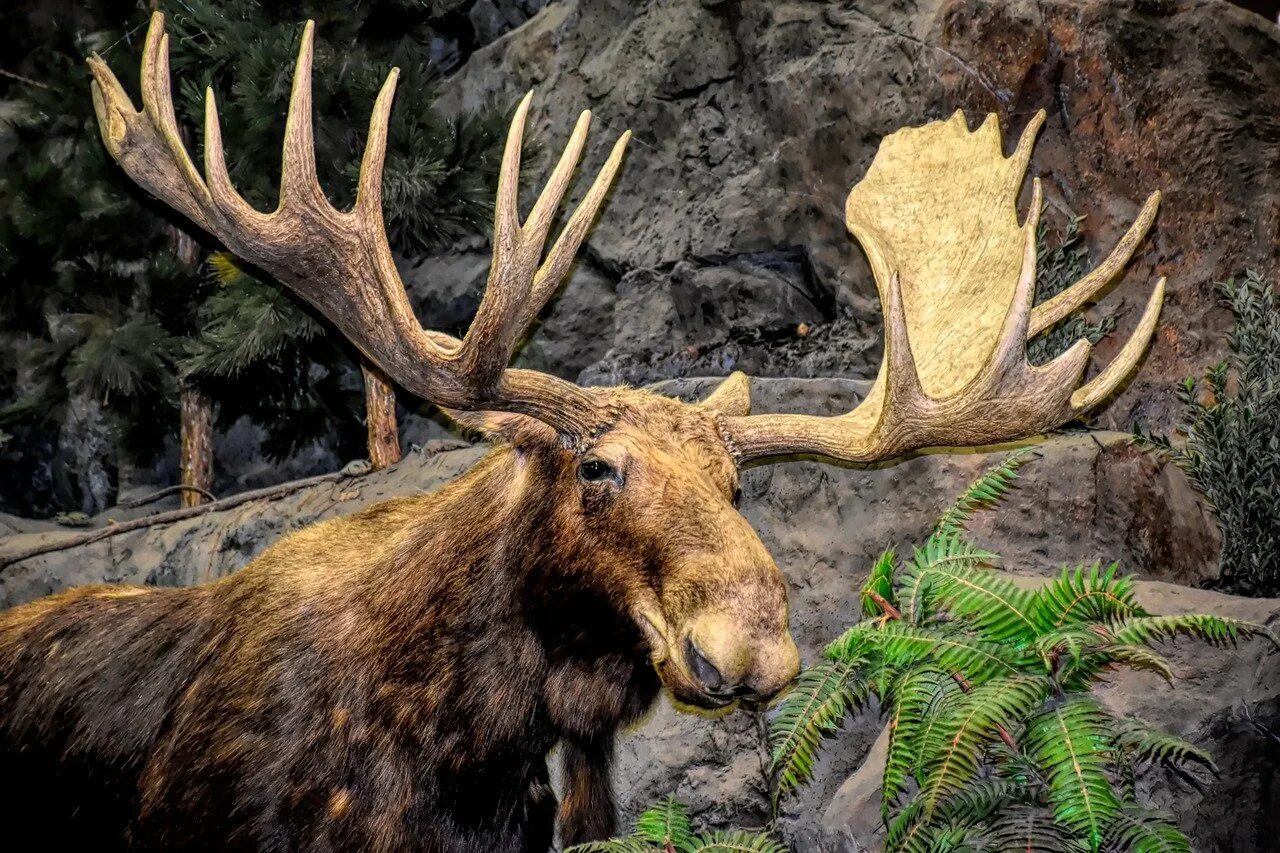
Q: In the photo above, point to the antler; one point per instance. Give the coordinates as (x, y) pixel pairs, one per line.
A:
(937, 216)
(340, 262)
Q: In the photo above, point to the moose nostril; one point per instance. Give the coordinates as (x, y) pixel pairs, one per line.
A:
(704, 670)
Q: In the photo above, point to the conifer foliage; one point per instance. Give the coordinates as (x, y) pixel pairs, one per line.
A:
(1231, 438)
(99, 319)
(996, 739)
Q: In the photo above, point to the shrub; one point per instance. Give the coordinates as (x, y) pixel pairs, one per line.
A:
(1231, 451)
(996, 739)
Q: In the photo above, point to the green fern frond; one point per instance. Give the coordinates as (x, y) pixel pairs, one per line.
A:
(1029, 830)
(1137, 657)
(941, 552)
(987, 491)
(880, 582)
(1144, 742)
(1072, 745)
(824, 695)
(919, 698)
(968, 807)
(734, 842)
(950, 757)
(666, 824)
(1080, 595)
(903, 645)
(992, 604)
(1216, 630)
(1135, 831)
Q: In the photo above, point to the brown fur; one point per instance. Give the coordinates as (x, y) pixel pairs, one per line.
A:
(394, 680)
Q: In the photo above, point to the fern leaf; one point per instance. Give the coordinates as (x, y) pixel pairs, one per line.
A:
(1216, 630)
(903, 645)
(735, 842)
(1145, 742)
(987, 491)
(1080, 596)
(823, 696)
(918, 698)
(1072, 746)
(1029, 830)
(950, 757)
(879, 582)
(1135, 831)
(941, 552)
(994, 605)
(666, 824)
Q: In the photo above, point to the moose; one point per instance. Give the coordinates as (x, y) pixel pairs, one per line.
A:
(396, 679)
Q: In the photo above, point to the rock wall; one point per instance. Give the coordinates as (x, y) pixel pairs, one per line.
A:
(724, 243)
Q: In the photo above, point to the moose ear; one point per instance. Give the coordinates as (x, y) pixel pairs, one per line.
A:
(520, 431)
(732, 397)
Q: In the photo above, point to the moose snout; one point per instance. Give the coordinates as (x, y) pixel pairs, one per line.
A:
(728, 662)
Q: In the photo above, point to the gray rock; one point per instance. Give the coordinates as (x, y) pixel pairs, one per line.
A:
(753, 119)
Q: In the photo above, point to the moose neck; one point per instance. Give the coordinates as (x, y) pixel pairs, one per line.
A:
(493, 563)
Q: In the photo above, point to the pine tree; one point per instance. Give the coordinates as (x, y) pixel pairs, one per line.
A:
(105, 318)
(436, 185)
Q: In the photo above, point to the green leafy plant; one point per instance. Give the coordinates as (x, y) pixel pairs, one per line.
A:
(1231, 439)
(996, 741)
(666, 827)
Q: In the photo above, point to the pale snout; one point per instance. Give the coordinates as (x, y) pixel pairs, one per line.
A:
(731, 660)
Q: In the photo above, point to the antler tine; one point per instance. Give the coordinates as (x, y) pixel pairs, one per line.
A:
(298, 180)
(1063, 304)
(957, 284)
(341, 262)
(518, 285)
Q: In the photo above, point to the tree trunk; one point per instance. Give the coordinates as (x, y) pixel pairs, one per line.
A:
(380, 416)
(197, 445)
(195, 407)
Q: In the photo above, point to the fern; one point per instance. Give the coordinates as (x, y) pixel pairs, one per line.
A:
(666, 827)
(951, 755)
(880, 584)
(1071, 744)
(1139, 831)
(987, 491)
(1217, 630)
(1082, 596)
(995, 739)
(823, 696)
(1145, 742)
(667, 824)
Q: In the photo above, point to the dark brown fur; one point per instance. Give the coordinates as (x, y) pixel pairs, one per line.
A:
(396, 679)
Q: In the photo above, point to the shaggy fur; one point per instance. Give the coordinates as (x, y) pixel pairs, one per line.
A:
(395, 680)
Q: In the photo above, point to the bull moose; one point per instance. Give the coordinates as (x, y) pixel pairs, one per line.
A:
(395, 680)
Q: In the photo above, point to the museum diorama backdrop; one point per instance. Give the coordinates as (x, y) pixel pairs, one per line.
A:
(722, 248)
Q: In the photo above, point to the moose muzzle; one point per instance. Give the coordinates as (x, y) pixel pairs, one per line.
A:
(729, 660)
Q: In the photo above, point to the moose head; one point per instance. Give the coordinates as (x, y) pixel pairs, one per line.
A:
(646, 484)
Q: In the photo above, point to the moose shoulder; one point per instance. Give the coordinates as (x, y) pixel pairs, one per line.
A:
(395, 680)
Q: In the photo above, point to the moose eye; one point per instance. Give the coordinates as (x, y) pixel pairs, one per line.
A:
(597, 471)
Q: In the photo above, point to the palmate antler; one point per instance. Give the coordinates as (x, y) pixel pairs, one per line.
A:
(937, 216)
(340, 262)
